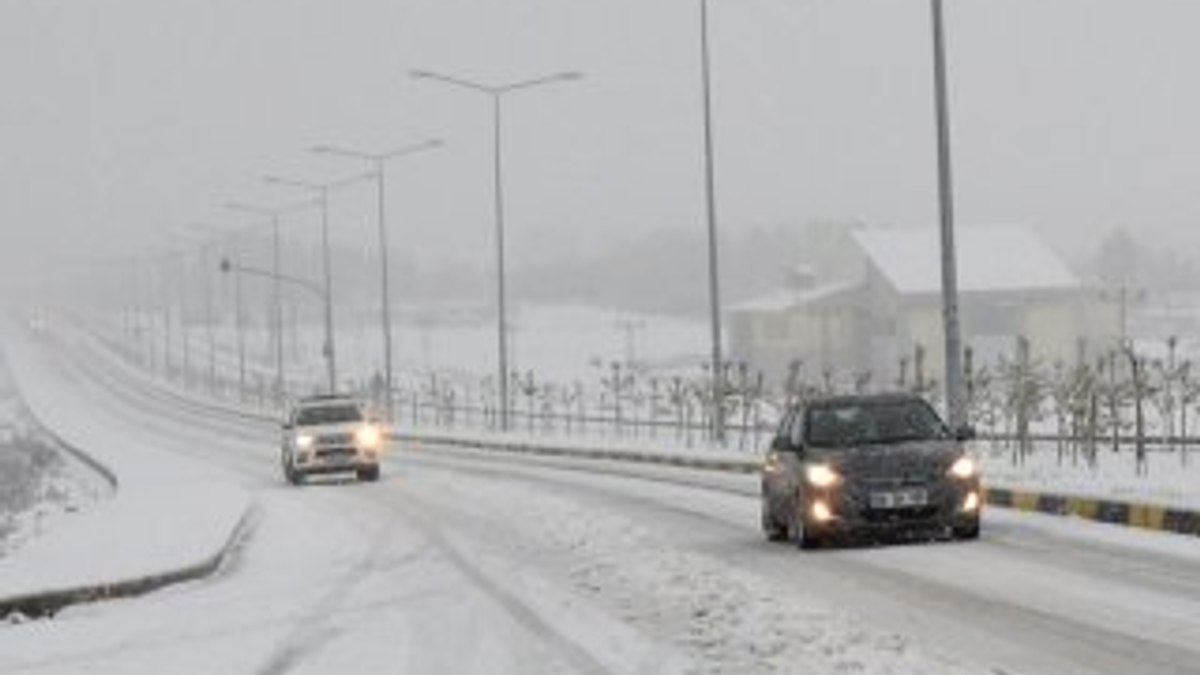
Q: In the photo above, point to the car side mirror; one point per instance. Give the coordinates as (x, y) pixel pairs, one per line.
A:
(965, 433)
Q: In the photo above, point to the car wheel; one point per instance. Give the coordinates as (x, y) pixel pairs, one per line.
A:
(770, 526)
(289, 470)
(293, 476)
(968, 531)
(369, 474)
(801, 532)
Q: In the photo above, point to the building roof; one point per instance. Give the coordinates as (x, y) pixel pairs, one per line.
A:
(787, 298)
(990, 259)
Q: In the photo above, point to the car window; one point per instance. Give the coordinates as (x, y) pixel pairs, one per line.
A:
(796, 430)
(865, 423)
(785, 424)
(333, 414)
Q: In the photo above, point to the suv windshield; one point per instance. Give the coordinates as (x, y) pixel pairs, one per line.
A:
(331, 414)
(872, 422)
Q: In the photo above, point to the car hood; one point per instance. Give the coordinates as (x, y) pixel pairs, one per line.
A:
(911, 458)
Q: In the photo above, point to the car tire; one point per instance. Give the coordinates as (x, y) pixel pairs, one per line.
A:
(801, 532)
(770, 526)
(290, 474)
(369, 474)
(967, 532)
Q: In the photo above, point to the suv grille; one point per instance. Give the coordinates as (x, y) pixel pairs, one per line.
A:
(335, 439)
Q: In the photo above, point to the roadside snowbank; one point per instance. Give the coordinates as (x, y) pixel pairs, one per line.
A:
(170, 519)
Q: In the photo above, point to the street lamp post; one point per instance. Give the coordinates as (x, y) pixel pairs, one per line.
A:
(228, 265)
(710, 208)
(322, 191)
(378, 162)
(496, 93)
(950, 318)
(273, 215)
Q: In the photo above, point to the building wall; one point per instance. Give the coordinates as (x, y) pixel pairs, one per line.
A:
(873, 332)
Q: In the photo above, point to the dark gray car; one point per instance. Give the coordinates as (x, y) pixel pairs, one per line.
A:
(868, 465)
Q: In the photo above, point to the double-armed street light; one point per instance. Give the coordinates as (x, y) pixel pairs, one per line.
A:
(322, 191)
(378, 162)
(497, 93)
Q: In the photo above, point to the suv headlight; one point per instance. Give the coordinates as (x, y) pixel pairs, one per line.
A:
(304, 441)
(964, 467)
(369, 437)
(821, 475)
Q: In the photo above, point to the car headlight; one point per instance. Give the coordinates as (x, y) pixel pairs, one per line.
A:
(368, 437)
(821, 475)
(772, 464)
(304, 441)
(964, 467)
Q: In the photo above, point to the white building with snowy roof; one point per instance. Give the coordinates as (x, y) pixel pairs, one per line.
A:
(880, 311)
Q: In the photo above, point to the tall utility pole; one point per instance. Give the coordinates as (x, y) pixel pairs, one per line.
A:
(953, 332)
(496, 94)
(710, 207)
(322, 191)
(378, 162)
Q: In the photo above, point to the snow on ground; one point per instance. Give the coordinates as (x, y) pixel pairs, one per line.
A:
(40, 483)
(699, 610)
(1172, 480)
(168, 514)
(482, 566)
(1037, 594)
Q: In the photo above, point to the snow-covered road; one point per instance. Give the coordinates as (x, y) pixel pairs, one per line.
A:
(467, 562)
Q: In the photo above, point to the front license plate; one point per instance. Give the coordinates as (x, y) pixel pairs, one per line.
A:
(899, 499)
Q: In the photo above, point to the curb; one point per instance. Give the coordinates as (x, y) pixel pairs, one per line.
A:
(590, 453)
(1130, 514)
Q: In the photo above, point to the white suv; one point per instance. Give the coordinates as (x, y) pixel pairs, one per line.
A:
(331, 434)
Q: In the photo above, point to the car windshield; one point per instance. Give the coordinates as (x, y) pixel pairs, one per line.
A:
(867, 423)
(330, 414)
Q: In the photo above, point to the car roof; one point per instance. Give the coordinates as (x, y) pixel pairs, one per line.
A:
(862, 399)
(326, 400)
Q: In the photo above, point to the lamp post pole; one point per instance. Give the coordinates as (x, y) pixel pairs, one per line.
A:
(950, 318)
(322, 191)
(378, 163)
(496, 93)
(710, 208)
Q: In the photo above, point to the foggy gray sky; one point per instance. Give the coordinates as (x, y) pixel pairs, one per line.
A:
(122, 119)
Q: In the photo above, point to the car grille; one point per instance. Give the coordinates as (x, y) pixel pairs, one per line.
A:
(332, 453)
(335, 439)
(898, 480)
(912, 514)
